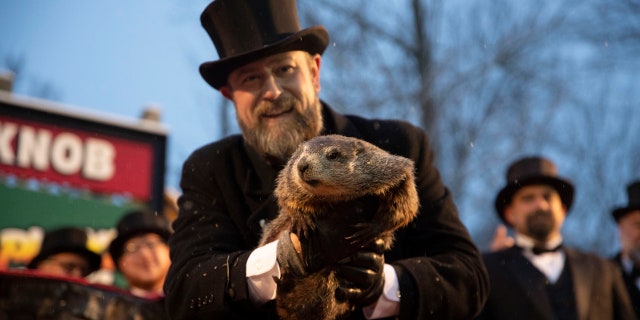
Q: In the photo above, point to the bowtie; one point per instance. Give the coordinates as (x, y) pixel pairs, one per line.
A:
(541, 250)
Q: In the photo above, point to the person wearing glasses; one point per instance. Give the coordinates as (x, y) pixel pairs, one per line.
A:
(64, 252)
(140, 252)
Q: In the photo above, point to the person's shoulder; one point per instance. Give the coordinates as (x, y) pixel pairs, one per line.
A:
(589, 257)
(385, 125)
(498, 264)
(396, 136)
(499, 257)
(577, 252)
(218, 148)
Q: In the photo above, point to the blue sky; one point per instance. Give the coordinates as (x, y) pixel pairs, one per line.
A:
(118, 57)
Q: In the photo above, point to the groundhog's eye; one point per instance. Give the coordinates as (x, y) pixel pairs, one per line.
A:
(333, 155)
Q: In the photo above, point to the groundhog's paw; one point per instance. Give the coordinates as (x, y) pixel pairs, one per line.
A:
(365, 233)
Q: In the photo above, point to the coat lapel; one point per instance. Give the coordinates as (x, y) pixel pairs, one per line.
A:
(583, 274)
(257, 189)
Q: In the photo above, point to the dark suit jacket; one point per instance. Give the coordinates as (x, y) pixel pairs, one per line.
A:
(632, 288)
(598, 288)
(228, 193)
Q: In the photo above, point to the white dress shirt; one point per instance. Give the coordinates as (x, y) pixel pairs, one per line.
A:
(262, 267)
(549, 263)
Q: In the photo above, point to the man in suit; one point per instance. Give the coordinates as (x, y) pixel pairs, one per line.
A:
(628, 221)
(538, 278)
(269, 68)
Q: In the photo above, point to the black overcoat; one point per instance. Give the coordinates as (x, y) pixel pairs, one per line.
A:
(228, 194)
(597, 285)
(630, 283)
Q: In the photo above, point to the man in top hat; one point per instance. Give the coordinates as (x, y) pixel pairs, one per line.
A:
(140, 252)
(628, 222)
(269, 67)
(538, 277)
(64, 253)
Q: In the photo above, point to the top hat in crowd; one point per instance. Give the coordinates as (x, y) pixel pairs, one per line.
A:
(67, 239)
(135, 223)
(633, 193)
(246, 30)
(529, 171)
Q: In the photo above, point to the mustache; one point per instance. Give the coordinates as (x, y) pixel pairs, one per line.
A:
(281, 104)
(541, 212)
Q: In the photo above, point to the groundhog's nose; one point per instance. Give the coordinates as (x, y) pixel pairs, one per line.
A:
(303, 166)
(305, 172)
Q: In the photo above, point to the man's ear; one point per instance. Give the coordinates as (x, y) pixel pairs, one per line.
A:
(508, 215)
(315, 71)
(226, 92)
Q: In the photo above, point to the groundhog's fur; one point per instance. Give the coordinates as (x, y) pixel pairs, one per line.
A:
(332, 175)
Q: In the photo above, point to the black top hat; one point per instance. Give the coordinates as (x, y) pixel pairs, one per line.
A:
(246, 30)
(135, 223)
(633, 193)
(533, 170)
(68, 239)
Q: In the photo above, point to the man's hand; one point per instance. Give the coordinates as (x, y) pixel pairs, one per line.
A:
(501, 239)
(288, 254)
(361, 275)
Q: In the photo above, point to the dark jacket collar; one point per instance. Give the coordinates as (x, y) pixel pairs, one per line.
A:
(336, 123)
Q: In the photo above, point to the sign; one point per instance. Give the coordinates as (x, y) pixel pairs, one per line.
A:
(62, 166)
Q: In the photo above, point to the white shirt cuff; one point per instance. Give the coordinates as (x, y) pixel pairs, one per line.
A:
(262, 266)
(388, 304)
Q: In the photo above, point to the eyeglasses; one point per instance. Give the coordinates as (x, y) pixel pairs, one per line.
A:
(69, 267)
(134, 247)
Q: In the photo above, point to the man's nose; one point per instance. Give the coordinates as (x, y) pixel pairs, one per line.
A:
(544, 203)
(271, 88)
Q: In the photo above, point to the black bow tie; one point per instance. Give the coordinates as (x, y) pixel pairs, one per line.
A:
(541, 250)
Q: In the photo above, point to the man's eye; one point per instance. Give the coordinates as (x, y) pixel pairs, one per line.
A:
(285, 69)
(249, 78)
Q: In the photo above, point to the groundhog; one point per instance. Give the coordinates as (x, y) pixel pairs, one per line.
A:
(337, 175)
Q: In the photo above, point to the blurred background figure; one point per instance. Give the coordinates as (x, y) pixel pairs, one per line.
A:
(140, 252)
(538, 277)
(628, 221)
(64, 252)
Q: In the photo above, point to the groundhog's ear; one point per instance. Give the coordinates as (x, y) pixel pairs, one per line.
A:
(358, 146)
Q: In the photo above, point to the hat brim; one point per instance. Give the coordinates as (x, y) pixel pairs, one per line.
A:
(565, 190)
(95, 260)
(618, 213)
(313, 40)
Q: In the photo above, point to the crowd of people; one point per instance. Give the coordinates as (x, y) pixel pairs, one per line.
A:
(207, 263)
(139, 251)
(61, 282)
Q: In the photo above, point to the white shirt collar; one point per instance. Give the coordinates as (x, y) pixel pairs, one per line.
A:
(527, 242)
(550, 264)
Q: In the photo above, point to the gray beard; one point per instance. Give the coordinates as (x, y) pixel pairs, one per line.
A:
(540, 225)
(282, 141)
